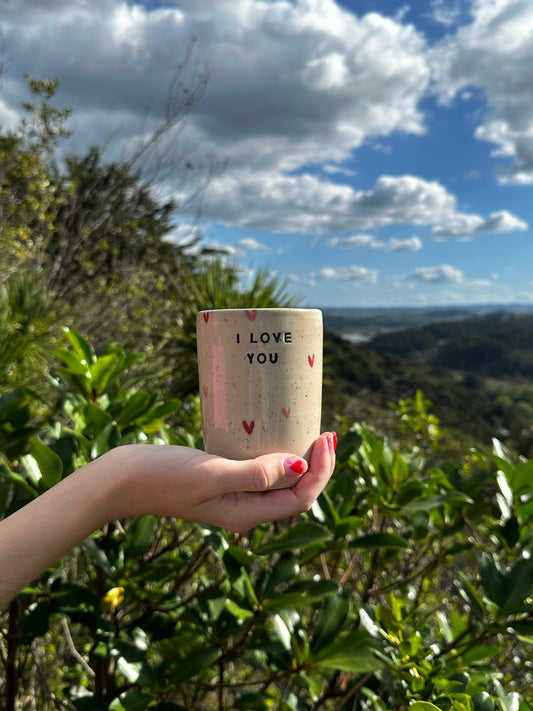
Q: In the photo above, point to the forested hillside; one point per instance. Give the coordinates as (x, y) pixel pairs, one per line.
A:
(476, 371)
(497, 345)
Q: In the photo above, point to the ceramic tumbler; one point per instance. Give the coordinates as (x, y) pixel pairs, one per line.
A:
(260, 373)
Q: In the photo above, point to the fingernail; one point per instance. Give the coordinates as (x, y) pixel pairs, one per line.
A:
(294, 467)
(334, 437)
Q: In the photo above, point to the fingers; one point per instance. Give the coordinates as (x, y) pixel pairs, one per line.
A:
(269, 471)
(321, 466)
(250, 508)
(280, 470)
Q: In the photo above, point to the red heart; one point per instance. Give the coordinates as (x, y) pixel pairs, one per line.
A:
(251, 314)
(249, 427)
(205, 390)
(311, 359)
(206, 316)
(286, 412)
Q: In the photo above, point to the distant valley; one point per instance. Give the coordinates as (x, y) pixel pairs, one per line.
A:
(474, 363)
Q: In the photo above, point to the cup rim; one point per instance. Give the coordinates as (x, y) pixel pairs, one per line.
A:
(273, 309)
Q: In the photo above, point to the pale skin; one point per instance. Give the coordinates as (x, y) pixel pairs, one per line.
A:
(163, 480)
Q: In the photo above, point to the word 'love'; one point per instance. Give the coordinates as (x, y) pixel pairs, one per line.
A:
(268, 336)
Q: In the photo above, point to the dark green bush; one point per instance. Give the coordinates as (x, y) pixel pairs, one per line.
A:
(403, 587)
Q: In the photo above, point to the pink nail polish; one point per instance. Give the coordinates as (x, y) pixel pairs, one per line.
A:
(334, 438)
(295, 467)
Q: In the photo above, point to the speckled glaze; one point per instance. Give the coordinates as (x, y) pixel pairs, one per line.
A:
(260, 376)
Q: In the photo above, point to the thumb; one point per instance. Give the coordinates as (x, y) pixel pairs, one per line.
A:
(268, 471)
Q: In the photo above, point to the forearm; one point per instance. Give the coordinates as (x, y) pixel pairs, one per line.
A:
(39, 534)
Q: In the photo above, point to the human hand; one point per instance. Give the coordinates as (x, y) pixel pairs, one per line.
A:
(236, 495)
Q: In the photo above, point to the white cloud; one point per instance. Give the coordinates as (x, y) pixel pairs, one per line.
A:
(441, 274)
(304, 203)
(358, 240)
(292, 85)
(412, 244)
(494, 53)
(353, 274)
(462, 225)
(250, 244)
(446, 274)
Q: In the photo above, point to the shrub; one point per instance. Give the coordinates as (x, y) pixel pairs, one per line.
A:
(403, 587)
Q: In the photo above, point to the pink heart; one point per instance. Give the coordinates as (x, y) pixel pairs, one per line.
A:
(206, 316)
(205, 390)
(286, 412)
(311, 359)
(249, 427)
(251, 314)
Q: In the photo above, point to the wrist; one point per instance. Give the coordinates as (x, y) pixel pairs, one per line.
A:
(119, 479)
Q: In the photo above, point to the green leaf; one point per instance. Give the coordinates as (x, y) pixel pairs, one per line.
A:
(432, 502)
(99, 557)
(492, 580)
(69, 597)
(81, 347)
(194, 663)
(95, 418)
(14, 408)
(240, 613)
(49, 463)
(469, 593)
(352, 654)
(510, 531)
(330, 621)
(423, 706)
(347, 445)
(521, 476)
(34, 622)
(301, 594)
(140, 536)
(132, 701)
(101, 371)
(476, 654)
(379, 540)
(135, 406)
(301, 535)
(72, 361)
(18, 480)
(518, 585)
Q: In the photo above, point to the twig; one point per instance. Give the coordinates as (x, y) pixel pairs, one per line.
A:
(73, 650)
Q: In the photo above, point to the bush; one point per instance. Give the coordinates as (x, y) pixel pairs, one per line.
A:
(404, 586)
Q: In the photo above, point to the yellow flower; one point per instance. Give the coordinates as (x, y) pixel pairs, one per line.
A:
(112, 599)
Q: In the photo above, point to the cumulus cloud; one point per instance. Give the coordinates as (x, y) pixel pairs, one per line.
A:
(354, 274)
(292, 85)
(441, 274)
(304, 203)
(446, 274)
(494, 53)
(358, 240)
(251, 245)
(411, 244)
(467, 225)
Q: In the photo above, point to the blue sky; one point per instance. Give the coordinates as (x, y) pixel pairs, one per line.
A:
(375, 152)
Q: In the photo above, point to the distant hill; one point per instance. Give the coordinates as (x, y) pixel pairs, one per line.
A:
(477, 369)
(498, 345)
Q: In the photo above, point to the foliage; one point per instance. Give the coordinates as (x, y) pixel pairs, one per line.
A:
(417, 424)
(25, 326)
(403, 587)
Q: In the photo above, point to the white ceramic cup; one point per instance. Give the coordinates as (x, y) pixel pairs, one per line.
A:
(260, 373)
